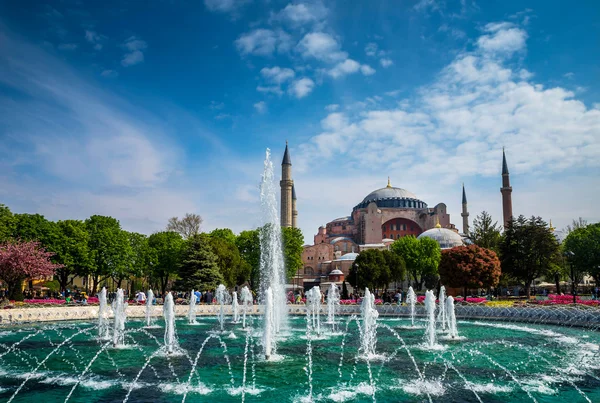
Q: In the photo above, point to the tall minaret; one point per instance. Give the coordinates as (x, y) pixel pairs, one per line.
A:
(506, 191)
(287, 184)
(294, 210)
(465, 213)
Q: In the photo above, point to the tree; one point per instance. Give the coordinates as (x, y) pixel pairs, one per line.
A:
(396, 265)
(485, 232)
(223, 233)
(344, 290)
(576, 224)
(421, 257)
(228, 259)
(72, 251)
(7, 223)
(22, 260)
(167, 247)
(368, 270)
(527, 250)
(469, 267)
(140, 257)
(248, 243)
(188, 226)
(34, 227)
(293, 242)
(199, 265)
(582, 250)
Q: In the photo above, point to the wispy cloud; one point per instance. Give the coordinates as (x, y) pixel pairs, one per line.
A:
(302, 87)
(263, 42)
(135, 54)
(260, 107)
(95, 39)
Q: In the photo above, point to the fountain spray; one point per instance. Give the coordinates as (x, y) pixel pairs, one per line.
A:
(119, 306)
(169, 314)
(192, 310)
(103, 327)
(313, 305)
(369, 314)
(333, 300)
(149, 302)
(235, 307)
(451, 317)
(222, 299)
(246, 302)
(411, 299)
(441, 318)
(430, 308)
(267, 335)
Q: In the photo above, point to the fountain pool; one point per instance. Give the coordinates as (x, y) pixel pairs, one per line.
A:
(493, 362)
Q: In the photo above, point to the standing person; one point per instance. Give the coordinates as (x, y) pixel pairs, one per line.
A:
(198, 295)
(209, 297)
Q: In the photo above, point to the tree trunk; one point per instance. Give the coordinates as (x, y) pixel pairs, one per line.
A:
(527, 290)
(119, 281)
(557, 281)
(94, 284)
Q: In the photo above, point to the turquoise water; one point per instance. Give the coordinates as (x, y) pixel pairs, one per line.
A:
(495, 362)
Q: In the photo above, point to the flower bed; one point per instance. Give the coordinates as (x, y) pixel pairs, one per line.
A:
(554, 299)
(45, 301)
(500, 304)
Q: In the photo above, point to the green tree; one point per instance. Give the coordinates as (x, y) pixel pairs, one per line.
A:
(528, 250)
(344, 290)
(228, 259)
(293, 242)
(199, 267)
(582, 250)
(7, 223)
(35, 227)
(72, 251)
(396, 266)
(485, 232)
(248, 243)
(469, 267)
(141, 256)
(167, 248)
(223, 233)
(368, 270)
(421, 257)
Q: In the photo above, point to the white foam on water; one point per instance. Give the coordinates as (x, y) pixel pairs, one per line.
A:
(248, 390)
(489, 388)
(450, 338)
(273, 358)
(97, 384)
(422, 387)
(232, 336)
(538, 386)
(6, 333)
(427, 347)
(349, 393)
(182, 388)
(342, 396)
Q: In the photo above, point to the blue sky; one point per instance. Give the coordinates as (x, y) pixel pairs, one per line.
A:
(146, 110)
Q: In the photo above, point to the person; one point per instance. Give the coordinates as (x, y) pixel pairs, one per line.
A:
(209, 297)
(198, 295)
(398, 297)
(140, 297)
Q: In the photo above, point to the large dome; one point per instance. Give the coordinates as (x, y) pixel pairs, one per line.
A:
(446, 238)
(392, 197)
(389, 193)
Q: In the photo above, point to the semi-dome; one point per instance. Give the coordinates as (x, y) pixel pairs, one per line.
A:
(348, 256)
(446, 238)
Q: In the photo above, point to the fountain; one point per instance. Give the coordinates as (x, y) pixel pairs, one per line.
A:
(192, 310)
(169, 315)
(235, 307)
(441, 318)
(119, 306)
(149, 305)
(103, 326)
(451, 317)
(246, 303)
(222, 298)
(268, 342)
(333, 301)
(430, 310)
(313, 306)
(369, 315)
(411, 299)
(272, 269)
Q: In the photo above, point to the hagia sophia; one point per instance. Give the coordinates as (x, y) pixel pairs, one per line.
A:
(383, 216)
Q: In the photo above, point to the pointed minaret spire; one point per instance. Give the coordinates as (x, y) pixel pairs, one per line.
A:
(465, 212)
(389, 183)
(287, 186)
(506, 191)
(286, 156)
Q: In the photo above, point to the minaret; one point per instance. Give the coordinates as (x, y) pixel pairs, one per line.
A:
(294, 211)
(506, 191)
(465, 213)
(287, 184)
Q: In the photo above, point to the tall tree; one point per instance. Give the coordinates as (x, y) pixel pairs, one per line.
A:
(293, 240)
(22, 260)
(199, 265)
(167, 247)
(228, 259)
(469, 267)
(35, 227)
(528, 250)
(396, 265)
(485, 232)
(368, 270)
(72, 251)
(421, 257)
(576, 224)
(7, 223)
(187, 226)
(223, 233)
(140, 256)
(248, 243)
(582, 250)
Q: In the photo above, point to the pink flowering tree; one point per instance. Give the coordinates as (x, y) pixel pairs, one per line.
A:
(23, 260)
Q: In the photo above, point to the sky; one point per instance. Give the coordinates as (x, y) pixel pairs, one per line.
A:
(148, 110)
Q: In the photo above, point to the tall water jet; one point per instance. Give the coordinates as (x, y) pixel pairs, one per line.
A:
(149, 304)
(235, 307)
(103, 327)
(369, 315)
(246, 303)
(430, 309)
(313, 306)
(268, 329)
(411, 299)
(169, 315)
(451, 317)
(192, 310)
(441, 318)
(119, 306)
(333, 301)
(272, 269)
(222, 299)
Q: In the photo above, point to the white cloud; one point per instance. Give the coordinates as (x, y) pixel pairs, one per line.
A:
(277, 74)
(302, 87)
(94, 38)
(350, 66)
(135, 55)
(502, 38)
(261, 107)
(371, 49)
(302, 13)
(332, 107)
(569, 75)
(224, 6)
(273, 89)
(385, 63)
(109, 73)
(321, 46)
(367, 70)
(67, 46)
(263, 42)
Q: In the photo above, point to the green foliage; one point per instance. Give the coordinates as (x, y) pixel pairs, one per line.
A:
(248, 243)
(34, 227)
(166, 248)
(344, 291)
(140, 257)
(485, 232)
(528, 250)
(72, 250)
(421, 256)
(582, 248)
(228, 259)
(223, 233)
(396, 266)
(7, 223)
(199, 266)
(469, 267)
(292, 240)
(369, 270)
